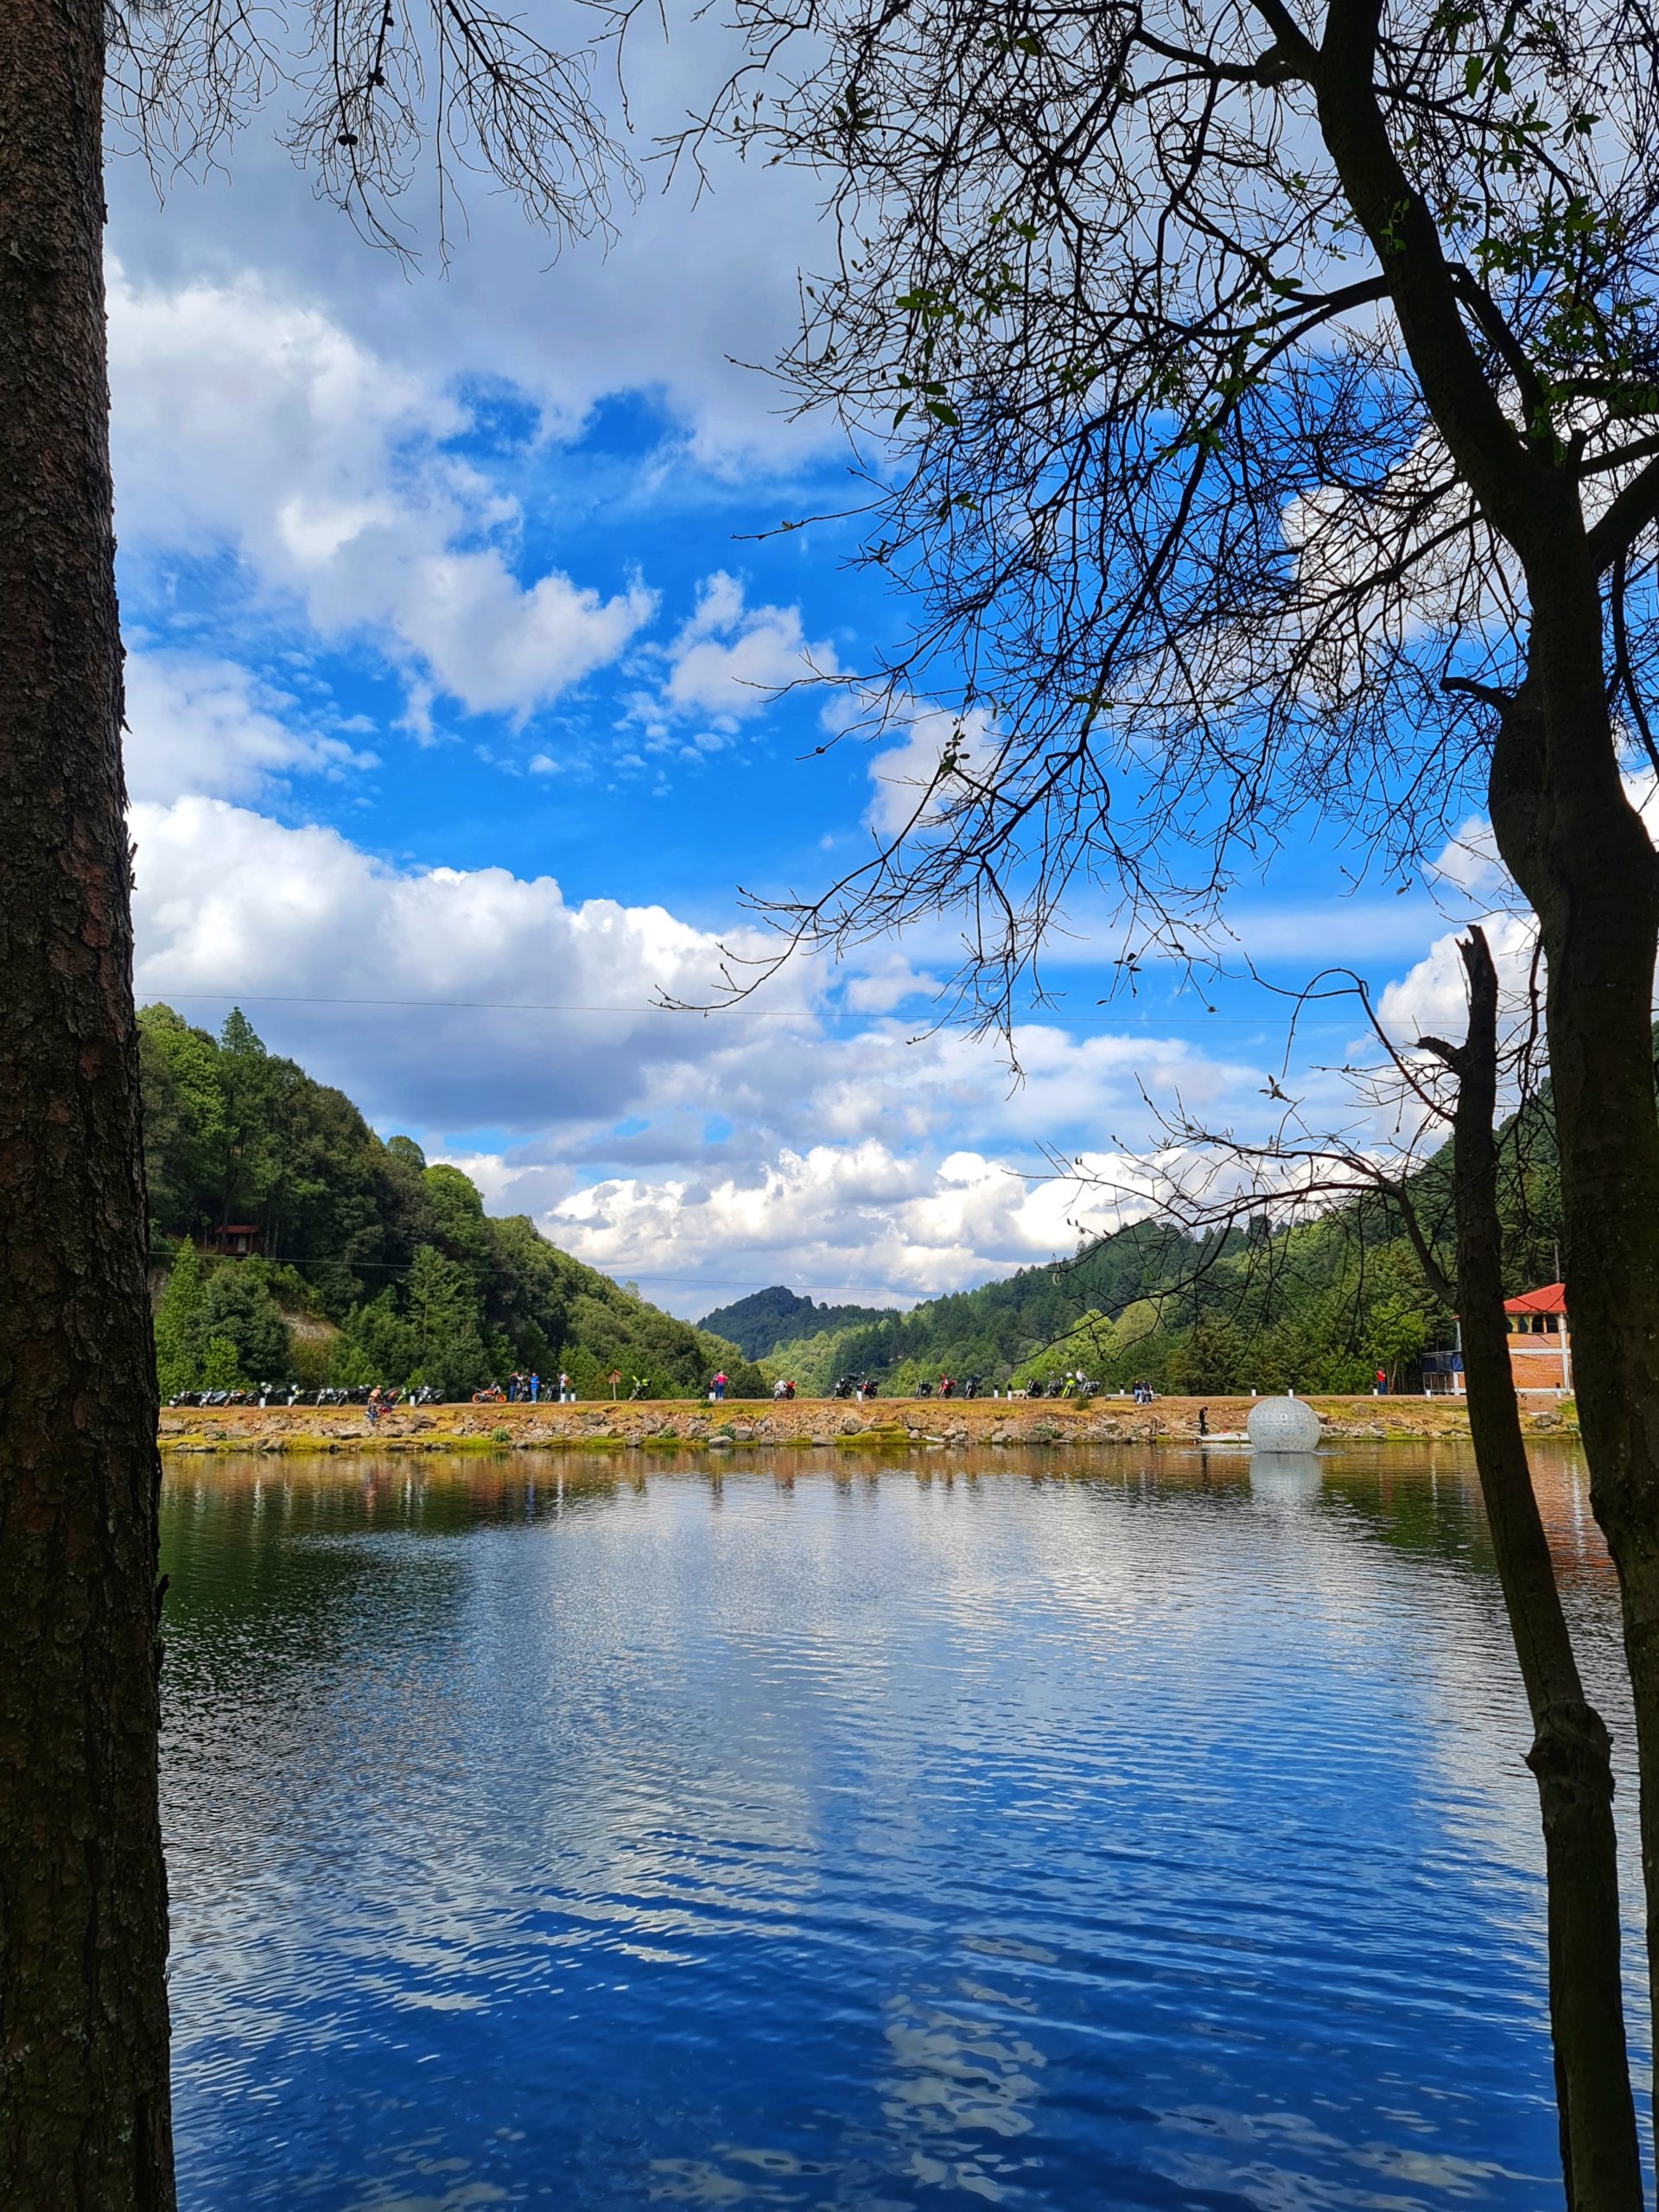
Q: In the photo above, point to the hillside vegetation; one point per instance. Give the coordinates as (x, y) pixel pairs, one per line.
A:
(374, 1266)
(1319, 1306)
(768, 1318)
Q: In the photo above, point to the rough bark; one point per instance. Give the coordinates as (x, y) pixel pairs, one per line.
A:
(1586, 864)
(1573, 843)
(84, 2110)
(1571, 1754)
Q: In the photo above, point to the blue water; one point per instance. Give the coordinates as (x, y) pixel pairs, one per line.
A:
(926, 1838)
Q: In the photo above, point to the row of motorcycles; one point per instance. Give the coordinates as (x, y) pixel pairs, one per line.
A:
(290, 1394)
(358, 1394)
(971, 1386)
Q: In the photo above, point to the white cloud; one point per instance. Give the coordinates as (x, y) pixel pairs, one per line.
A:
(1318, 932)
(729, 660)
(671, 307)
(199, 724)
(855, 1219)
(904, 773)
(324, 468)
(1430, 999)
(1468, 866)
(500, 647)
(887, 980)
(654, 1141)
(228, 901)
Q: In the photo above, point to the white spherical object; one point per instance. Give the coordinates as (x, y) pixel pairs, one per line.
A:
(1283, 1425)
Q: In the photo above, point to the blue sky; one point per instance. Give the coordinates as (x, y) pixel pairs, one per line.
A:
(454, 639)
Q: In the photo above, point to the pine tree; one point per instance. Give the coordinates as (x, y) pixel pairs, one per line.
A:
(239, 1036)
(444, 1311)
(177, 1366)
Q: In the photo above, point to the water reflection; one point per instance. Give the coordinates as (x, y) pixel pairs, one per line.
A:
(1120, 1829)
(1286, 1477)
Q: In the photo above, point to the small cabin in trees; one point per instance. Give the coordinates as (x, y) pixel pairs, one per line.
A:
(235, 1240)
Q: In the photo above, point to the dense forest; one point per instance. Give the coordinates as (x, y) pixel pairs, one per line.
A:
(1319, 1303)
(370, 1265)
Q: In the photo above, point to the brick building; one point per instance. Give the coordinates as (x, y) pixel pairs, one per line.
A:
(1541, 1352)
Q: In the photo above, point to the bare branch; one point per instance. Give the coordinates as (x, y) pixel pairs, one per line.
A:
(378, 87)
(1204, 529)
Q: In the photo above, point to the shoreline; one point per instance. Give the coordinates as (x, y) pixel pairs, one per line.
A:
(688, 1424)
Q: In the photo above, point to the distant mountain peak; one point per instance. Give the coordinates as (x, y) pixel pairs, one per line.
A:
(775, 1315)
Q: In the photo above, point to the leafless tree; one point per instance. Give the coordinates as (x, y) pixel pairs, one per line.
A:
(1424, 1149)
(371, 95)
(1260, 402)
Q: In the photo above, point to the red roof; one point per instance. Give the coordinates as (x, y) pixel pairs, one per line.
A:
(1552, 1299)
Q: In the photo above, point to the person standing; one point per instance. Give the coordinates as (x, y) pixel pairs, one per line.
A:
(535, 1389)
(719, 1388)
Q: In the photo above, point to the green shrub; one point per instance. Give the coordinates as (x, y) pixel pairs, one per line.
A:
(220, 1369)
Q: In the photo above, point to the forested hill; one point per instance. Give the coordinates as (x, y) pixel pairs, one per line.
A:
(1318, 1307)
(766, 1319)
(1000, 1331)
(371, 1265)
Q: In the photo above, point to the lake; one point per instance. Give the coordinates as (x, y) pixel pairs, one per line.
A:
(1064, 1829)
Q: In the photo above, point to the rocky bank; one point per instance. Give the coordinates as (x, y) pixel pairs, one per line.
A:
(830, 1423)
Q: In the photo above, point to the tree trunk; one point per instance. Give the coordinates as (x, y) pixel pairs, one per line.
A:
(1570, 1753)
(84, 2111)
(1573, 842)
(1585, 862)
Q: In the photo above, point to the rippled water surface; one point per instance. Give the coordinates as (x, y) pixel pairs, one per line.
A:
(1075, 1831)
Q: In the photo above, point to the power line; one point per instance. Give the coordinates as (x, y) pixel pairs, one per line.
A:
(160, 1253)
(1040, 1018)
(463, 1006)
(717, 1282)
